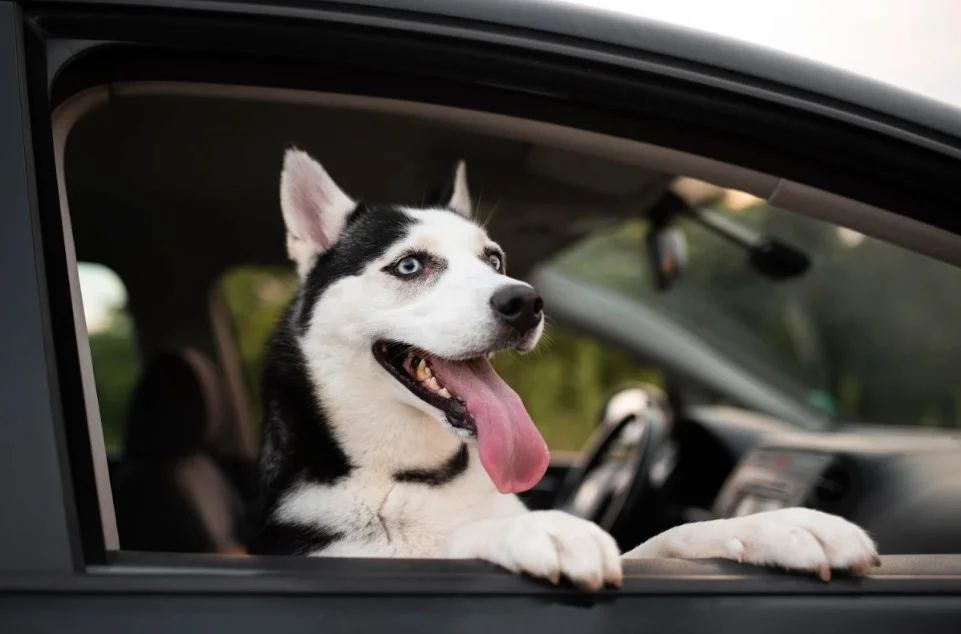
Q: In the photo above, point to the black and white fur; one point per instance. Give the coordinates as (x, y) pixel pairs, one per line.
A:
(354, 464)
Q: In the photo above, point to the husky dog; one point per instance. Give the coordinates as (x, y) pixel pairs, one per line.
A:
(387, 432)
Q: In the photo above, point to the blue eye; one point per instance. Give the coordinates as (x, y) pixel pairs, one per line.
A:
(411, 265)
(494, 261)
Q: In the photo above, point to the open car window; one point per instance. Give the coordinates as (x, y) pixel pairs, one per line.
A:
(211, 278)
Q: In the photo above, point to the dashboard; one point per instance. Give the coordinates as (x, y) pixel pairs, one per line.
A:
(901, 484)
(768, 479)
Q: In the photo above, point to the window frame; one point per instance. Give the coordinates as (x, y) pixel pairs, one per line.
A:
(134, 341)
(55, 52)
(44, 539)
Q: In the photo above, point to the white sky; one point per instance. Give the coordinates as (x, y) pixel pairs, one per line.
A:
(913, 44)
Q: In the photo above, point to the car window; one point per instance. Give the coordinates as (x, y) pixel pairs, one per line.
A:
(563, 383)
(113, 347)
(841, 337)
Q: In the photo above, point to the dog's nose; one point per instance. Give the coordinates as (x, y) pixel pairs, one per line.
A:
(519, 306)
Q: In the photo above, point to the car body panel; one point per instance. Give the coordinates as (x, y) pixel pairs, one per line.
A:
(49, 583)
(771, 72)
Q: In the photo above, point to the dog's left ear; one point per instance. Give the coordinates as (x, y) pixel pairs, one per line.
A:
(455, 194)
(315, 208)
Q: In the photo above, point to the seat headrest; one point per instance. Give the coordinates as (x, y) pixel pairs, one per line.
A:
(176, 406)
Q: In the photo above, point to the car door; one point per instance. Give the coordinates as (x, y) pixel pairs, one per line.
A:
(60, 565)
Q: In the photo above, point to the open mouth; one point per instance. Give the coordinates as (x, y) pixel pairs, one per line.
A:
(477, 403)
(413, 369)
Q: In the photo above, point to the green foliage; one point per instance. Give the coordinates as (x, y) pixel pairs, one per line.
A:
(115, 366)
(254, 298)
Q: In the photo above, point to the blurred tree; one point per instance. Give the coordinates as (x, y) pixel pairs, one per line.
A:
(255, 298)
(115, 367)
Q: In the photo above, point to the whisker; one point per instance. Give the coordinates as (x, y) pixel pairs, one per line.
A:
(477, 205)
(402, 352)
(490, 216)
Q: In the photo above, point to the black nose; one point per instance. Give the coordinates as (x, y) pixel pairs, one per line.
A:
(518, 306)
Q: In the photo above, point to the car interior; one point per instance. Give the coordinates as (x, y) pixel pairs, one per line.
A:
(171, 186)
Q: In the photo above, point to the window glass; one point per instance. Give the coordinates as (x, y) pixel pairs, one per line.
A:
(563, 383)
(868, 333)
(113, 348)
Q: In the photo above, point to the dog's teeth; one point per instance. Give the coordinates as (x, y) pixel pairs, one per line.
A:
(427, 371)
(443, 392)
(423, 372)
(432, 384)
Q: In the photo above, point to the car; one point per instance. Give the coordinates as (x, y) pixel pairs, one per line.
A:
(750, 261)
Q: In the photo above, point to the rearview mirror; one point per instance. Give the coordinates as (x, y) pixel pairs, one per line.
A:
(667, 251)
(667, 247)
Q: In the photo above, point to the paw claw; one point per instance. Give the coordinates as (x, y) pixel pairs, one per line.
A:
(861, 568)
(591, 585)
(824, 572)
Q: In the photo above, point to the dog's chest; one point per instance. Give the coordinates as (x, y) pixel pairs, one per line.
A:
(411, 520)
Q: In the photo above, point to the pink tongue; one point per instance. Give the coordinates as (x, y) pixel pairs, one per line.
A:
(511, 449)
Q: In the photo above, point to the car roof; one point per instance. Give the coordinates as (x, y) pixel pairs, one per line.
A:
(631, 33)
(651, 36)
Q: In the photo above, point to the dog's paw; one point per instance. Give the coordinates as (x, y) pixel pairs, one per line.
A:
(796, 539)
(804, 540)
(547, 544)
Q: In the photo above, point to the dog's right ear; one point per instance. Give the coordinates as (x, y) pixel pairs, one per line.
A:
(455, 195)
(315, 209)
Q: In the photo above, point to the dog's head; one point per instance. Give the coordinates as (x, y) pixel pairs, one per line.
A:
(424, 292)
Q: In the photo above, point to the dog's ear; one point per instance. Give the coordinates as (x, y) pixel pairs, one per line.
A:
(455, 194)
(314, 207)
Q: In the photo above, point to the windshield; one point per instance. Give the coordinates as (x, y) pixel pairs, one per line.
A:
(869, 333)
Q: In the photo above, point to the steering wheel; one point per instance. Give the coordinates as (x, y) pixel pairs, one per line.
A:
(616, 467)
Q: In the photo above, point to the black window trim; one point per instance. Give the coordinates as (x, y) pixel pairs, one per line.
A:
(63, 57)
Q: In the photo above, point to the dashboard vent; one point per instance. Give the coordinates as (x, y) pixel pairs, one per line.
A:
(834, 484)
